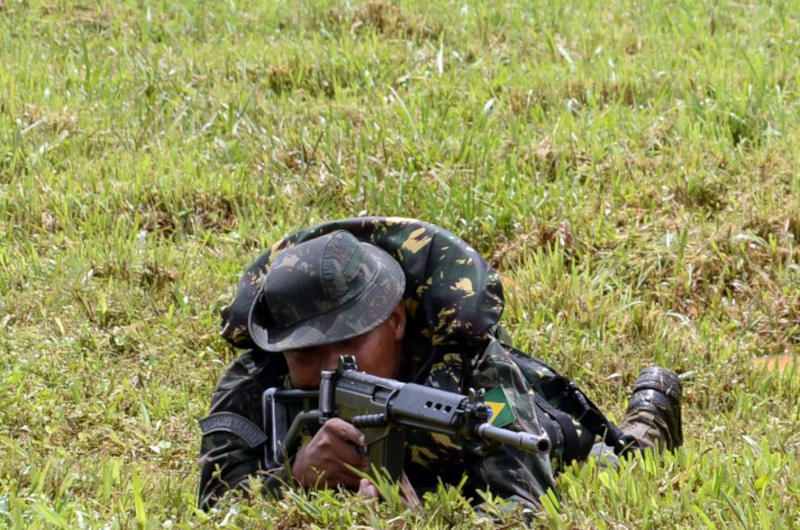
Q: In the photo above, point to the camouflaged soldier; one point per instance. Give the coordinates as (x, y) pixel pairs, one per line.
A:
(412, 302)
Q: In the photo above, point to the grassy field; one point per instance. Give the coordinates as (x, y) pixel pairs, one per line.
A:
(632, 168)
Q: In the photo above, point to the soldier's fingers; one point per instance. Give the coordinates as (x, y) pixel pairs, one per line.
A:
(348, 454)
(345, 431)
(342, 476)
(362, 463)
(350, 481)
(367, 489)
(410, 497)
(347, 442)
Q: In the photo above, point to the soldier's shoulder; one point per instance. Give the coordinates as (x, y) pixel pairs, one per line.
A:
(247, 377)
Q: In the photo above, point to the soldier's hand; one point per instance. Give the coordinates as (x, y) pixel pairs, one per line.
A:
(325, 459)
(410, 497)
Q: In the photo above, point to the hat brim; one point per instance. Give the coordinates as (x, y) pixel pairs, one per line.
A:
(362, 313)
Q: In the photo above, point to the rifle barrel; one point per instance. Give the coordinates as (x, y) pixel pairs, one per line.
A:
(521, 440)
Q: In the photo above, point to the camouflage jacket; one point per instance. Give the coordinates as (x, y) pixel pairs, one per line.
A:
(454, 301)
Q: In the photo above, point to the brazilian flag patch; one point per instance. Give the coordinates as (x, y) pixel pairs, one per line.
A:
(497, 401)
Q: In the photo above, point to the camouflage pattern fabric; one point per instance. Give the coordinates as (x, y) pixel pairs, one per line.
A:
(454, 300)
(453, 297)
(569, 440)
(227, 461)
(325, 290)
(514, 474)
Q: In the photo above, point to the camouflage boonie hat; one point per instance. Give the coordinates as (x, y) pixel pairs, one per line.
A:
(325, 290)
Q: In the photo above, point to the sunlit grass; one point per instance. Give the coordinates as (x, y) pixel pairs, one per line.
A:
(632, 169)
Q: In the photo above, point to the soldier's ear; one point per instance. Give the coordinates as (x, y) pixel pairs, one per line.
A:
(398, 319)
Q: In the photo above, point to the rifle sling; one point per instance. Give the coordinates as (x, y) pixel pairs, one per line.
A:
(588, 414)
(572, 445)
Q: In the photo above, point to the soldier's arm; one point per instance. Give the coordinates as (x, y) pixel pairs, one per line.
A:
(230, 450)
(508, 472)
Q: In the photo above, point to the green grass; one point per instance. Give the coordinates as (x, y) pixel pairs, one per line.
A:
(632, 168)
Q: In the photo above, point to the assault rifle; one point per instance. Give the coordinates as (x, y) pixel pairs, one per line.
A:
(383, 409)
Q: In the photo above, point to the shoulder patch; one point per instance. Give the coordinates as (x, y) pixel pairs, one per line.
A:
(497, 401)
(235, 424)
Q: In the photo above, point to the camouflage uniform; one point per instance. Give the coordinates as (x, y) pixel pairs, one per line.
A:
(454, 300)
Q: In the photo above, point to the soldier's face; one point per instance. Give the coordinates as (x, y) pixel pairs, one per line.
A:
(377, 352)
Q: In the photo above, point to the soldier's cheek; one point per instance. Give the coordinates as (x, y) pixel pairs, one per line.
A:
(304, 376)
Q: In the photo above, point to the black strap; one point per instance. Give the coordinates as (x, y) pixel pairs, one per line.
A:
(588, 414)
(235, 424)
(572, 444)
